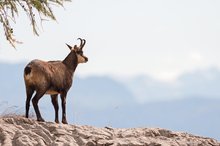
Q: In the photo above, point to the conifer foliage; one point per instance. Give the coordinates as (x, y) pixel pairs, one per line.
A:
(36, 11)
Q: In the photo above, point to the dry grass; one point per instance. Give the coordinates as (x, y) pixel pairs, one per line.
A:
(14, 111)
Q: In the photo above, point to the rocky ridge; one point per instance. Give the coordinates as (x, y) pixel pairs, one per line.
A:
(20, 131)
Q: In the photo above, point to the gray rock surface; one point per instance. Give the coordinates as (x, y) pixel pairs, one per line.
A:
(20, 131)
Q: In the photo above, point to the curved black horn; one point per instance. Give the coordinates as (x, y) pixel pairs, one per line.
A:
(84, 42)
(81, 42)
(70, 47)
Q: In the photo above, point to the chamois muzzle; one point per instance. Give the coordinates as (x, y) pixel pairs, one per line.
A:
(86, 59)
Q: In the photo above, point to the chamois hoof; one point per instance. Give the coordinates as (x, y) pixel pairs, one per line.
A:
(64, 122)
(40, 120)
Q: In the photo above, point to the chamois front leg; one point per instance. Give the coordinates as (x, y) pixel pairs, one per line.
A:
(63, 99)
(54, 100)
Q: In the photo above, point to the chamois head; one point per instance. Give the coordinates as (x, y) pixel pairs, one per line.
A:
(78, 50)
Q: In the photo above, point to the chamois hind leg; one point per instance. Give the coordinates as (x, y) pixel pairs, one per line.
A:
(35, 100)
(63, 99)
(29, 93)
(54, 101)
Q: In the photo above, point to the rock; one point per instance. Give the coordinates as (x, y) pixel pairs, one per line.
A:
(20, 131)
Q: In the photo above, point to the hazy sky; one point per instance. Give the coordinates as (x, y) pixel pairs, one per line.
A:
(160, 38)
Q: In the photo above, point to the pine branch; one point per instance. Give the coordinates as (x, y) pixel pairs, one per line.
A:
(9, 12)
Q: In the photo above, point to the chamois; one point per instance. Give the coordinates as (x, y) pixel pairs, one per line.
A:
(52, 77)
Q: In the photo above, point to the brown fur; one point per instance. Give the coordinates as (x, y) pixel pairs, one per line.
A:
(52, 77)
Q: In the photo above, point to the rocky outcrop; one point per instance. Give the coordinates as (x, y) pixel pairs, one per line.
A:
(19, 131)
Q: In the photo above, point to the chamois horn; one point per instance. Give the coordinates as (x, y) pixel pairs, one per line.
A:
(81, 42)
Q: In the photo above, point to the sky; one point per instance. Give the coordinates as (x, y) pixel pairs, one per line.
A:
(126, 38)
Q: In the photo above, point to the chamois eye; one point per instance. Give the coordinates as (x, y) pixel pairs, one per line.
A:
(80, 52)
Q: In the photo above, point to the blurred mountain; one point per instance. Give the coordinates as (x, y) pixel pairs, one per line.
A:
(190, 104)
(103, 91)
(200, 83)
(12, 83)
(146, 89)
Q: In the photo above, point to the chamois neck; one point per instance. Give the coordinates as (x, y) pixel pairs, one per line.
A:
(71, 61)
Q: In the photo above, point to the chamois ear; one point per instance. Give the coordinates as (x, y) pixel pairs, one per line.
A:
(69, 46)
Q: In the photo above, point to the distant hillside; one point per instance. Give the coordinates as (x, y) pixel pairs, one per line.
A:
(191, 104)
(19, 131)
